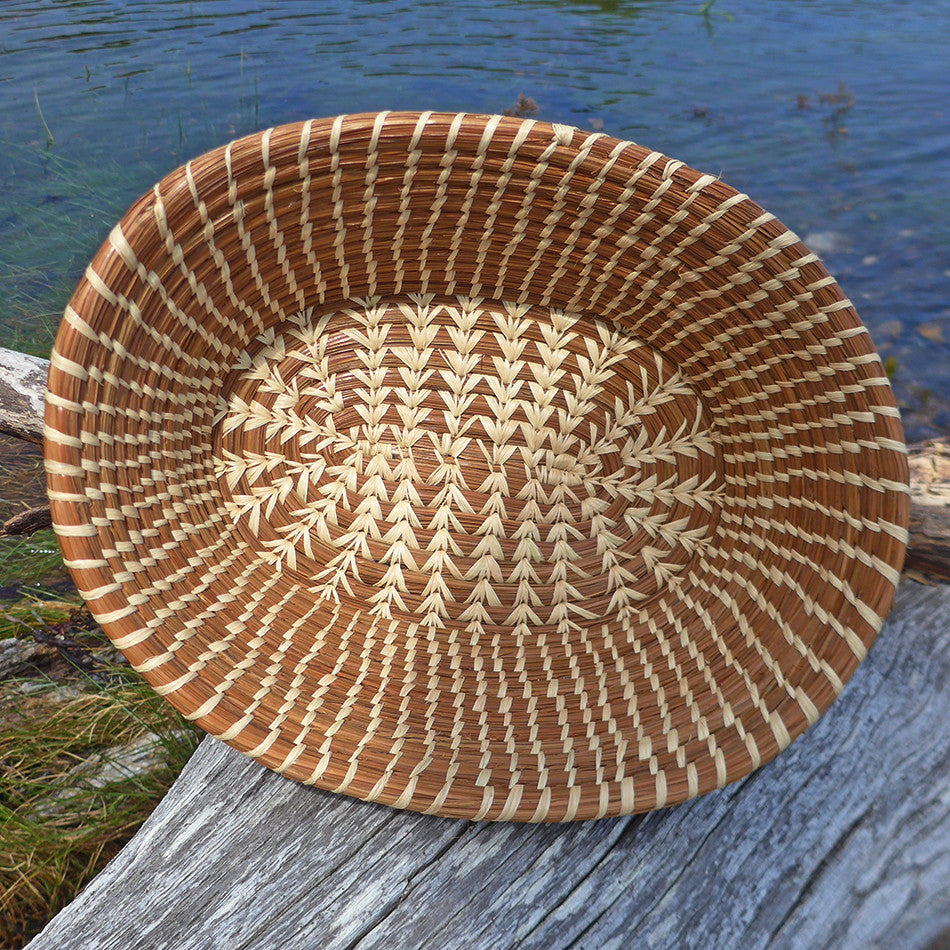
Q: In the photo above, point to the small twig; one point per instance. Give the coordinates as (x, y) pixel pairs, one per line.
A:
(27, 522)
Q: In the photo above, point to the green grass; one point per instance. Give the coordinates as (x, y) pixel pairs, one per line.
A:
(34, 611)
(61, 816)
(28, 561)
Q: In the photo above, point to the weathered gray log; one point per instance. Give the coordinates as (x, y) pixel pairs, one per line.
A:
(843, 841)
(20, 657)
(22, 386)
(929, 551)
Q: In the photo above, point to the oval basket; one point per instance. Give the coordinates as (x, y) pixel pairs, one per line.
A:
(476, 466)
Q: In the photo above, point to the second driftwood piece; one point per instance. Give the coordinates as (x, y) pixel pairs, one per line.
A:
(929, 547)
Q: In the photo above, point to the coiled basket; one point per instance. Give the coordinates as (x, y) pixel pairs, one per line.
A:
(476, 466)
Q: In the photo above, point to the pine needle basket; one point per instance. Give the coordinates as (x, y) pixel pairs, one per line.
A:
(476, 466)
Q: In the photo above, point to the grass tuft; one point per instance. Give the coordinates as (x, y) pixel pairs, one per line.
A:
(84, 764)
(34, 611)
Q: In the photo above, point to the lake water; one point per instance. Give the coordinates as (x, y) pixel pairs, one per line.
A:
(831, 115)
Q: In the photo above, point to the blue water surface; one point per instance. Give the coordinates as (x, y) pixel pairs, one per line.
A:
(831, 115)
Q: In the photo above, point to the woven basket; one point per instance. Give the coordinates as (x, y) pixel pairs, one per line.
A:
(476, 466)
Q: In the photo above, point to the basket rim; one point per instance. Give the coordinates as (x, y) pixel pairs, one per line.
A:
(97, 328)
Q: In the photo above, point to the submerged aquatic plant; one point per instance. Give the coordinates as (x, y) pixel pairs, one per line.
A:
(50, 141)
(706, 11)
(524, 108)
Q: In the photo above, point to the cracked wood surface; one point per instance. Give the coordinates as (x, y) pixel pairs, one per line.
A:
(842, 841)
(929, 550)
(22, 388)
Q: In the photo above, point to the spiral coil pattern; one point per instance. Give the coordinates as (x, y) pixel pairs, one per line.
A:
(476, 466)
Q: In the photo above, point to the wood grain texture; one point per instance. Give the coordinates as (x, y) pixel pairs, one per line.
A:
(929, 550)
(843, 841)
(22, 384)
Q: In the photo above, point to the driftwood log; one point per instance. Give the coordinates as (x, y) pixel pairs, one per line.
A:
(22, 385)
(929, 549)
(843, 841)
